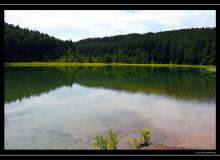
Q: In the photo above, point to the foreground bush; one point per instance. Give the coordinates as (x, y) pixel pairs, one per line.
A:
(134, 143)
(107, 144)
(145, 135)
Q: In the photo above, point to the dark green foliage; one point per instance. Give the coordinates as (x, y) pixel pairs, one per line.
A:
(185, 46)
(27, 45)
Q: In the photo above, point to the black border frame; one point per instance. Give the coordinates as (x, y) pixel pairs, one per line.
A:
(99, 152)
(114, 2)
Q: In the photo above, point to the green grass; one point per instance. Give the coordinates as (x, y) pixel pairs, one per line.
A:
(55, 64)
(211, 69)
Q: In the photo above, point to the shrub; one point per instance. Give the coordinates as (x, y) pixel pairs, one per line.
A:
(100, 142)
(142, 140)
(112, 142)
(145, 134)
(135, 143)
(107, 144)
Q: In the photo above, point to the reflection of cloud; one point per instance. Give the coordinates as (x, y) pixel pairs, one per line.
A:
(85, 112)
(80, 24)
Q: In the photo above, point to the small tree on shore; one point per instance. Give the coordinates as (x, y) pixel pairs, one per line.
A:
(107, 144)
(145, 135)
(112, 141)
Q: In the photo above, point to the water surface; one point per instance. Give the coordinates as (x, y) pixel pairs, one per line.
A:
(65, 108)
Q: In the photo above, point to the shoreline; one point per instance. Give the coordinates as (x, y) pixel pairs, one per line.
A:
(164, 147)
(208, 68)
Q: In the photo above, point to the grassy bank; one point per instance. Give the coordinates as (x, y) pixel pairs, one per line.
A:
(53, 64)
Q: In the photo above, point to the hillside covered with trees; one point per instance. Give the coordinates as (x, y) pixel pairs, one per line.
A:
(185, 46)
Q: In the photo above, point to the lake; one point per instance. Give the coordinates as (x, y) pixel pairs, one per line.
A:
(67, 107)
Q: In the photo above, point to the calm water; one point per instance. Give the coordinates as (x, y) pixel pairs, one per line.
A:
(65, 108)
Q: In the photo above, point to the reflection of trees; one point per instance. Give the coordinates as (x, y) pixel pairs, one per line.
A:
(26, 82)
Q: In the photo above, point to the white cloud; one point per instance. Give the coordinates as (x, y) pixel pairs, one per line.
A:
(79, 24)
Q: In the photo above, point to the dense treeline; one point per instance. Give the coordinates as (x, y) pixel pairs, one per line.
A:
(185, 46)
(27, 45)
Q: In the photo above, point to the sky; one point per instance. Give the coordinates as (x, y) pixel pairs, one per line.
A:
(81, 24)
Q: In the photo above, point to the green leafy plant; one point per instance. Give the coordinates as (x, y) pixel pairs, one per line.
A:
(142, 140)
(145, 135)
(107, 144)
(100, 142)
(112, 142)
(135, 143)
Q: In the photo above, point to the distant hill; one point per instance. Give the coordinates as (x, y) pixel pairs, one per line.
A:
(185, 46)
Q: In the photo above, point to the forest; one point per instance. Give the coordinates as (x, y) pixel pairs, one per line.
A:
(184, 46)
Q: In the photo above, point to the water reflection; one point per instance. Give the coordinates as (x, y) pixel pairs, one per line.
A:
(70, 117)
(184, 84)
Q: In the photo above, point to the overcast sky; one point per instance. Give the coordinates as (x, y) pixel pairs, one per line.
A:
(81, 24)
